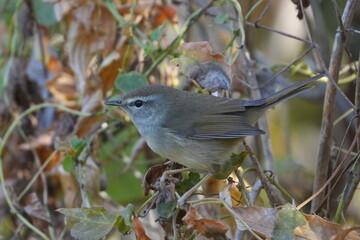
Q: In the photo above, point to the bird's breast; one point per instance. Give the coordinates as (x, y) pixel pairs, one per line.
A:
(205, 155)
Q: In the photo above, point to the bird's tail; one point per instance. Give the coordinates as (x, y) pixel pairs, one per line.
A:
(291, 91)
(258, 107)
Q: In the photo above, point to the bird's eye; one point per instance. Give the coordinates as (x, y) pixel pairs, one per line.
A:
(138, 103)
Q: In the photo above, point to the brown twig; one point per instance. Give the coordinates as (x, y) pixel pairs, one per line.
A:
(333, 175)
(322, 165)
(241, 186)
(273, 193)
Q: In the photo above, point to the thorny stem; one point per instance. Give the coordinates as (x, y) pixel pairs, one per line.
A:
(5, 139)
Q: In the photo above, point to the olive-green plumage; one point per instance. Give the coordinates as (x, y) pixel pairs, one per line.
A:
(196, 130)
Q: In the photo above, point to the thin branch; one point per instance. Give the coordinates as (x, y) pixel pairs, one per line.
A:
(273, 193)
(241, 186)
(323, 155)
(353, 178)
(3, 142)
(333, 175)
(176, 42)
(37, 174)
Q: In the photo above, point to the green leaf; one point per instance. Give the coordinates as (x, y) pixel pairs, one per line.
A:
(156, 33)
(125, 222)
(44, 13)
(149, 49)
(235, 162)
(287, 219)
(222, 18)
(126, 213)
(139, 42)
(166, 209)
(90, 223)
(189, 182)
(78, 144)
(68, 163)
(7, 10)
(127, 82)
(219, 3)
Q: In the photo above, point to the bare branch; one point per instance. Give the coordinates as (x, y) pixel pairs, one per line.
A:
(323, 155)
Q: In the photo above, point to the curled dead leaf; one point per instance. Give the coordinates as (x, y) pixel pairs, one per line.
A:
(319, 228)
(92, 29)
(63, 88)
(200, 51)
(259, 219)
(151, 176)
(164, 12)
(206, 227)
(198, 63)
(139, 230)
(35, 209)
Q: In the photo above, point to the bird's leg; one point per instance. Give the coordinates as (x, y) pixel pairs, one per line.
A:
(172, 172)
(186, 195)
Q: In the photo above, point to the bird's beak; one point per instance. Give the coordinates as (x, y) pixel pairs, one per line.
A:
(115, 103)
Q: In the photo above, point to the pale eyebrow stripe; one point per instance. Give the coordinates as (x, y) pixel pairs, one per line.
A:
(143, 98)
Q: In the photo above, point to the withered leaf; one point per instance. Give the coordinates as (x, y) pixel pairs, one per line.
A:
(139, 230)
(206, 227)
(35, 209)
(318, 228)
(151, 176)
(259, 219)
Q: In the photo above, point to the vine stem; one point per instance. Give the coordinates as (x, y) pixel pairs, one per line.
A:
(3, 142)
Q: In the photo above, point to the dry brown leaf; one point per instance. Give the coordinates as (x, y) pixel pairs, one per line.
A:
(151, 176)
(92, 29)
(206, 227)
(87, 125)
(164, 12)
(198, 63)
(54, 65)
(344, 234)
(38, 142)
(259, 219)
(109, 69)
(63, 7)
(318, 228)
(200, 51)
(35, 209)
(42, 146)
(139, 230)
(63, 89)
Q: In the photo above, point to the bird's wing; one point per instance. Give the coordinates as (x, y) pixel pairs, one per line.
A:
(225, 120)
(218, 127)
